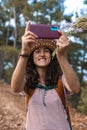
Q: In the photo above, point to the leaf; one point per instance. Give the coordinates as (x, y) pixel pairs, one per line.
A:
(54, 52)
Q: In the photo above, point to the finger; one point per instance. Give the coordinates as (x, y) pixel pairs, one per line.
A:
(27, 27)
(61, 33)
(61, 43)
(31, 33)
(30, 38)
(29, 41)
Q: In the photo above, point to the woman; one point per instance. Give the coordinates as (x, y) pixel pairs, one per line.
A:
(37, 74)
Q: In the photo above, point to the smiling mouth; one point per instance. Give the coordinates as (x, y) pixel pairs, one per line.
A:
(42, 59)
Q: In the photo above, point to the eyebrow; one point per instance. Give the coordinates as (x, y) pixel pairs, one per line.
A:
(42, 48)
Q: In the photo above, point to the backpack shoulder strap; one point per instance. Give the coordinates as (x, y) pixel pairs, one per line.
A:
(60, 91)
(28, 96)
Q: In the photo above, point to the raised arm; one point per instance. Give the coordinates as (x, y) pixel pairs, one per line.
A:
(17, 81)
(71, 81)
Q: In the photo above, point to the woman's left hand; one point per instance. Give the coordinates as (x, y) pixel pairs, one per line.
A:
(62, 43)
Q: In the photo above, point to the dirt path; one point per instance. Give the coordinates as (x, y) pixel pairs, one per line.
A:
(13, 112)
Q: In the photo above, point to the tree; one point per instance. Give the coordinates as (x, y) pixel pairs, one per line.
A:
(45, 11)
(85, 1)
(77, 56)
(18, 10)
(15, 8)
(82, 105)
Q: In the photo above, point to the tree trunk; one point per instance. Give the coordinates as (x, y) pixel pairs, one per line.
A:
(15, 29)
(1, 63)
(8, 29)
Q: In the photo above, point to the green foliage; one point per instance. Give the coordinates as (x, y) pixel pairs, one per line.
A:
(74, 99)
(85, 1)
(82, 23)
(76, 56)
(44, 11)
(10, 60)
(7, 74)
(79, 101)
(82, 105)
(9, 52)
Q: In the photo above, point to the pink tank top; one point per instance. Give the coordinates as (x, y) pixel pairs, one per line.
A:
(49, 117)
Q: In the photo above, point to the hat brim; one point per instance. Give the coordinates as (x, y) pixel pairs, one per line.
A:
(49, 43)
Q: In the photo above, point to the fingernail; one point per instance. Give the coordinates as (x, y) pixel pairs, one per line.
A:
(36, 36)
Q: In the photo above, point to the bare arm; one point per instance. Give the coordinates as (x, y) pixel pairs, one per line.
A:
(71, 81)
(70, 78)
(17, 81)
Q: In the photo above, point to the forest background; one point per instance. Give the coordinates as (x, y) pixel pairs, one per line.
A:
(45, 12)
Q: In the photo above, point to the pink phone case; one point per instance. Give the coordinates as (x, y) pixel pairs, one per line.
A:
(44, 31)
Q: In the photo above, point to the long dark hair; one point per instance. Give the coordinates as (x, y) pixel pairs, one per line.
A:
(53, 72)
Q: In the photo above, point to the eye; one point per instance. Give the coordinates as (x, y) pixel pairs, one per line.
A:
(47, 50)
(37, 51)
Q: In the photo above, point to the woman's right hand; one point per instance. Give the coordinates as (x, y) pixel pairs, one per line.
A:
(27, 40)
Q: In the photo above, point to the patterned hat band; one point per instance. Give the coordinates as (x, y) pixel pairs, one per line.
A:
(51, 44)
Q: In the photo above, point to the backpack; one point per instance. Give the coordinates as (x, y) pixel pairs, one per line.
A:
(60, 91)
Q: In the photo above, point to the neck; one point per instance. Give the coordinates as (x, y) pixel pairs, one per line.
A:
(42, 74)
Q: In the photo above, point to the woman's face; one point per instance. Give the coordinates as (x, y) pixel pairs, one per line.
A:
(42, 57)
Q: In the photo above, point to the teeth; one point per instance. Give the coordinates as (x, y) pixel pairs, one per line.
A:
(42, 59)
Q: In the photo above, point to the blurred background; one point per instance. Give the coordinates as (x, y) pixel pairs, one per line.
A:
(71, 16)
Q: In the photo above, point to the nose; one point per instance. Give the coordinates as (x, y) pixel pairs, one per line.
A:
(42, 53)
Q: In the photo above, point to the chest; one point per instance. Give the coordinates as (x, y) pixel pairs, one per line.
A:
(49, 98)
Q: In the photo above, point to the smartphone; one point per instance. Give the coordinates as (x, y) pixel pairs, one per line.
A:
(45, 31)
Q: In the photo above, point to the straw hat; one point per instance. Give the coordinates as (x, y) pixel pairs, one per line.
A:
(49, 43)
